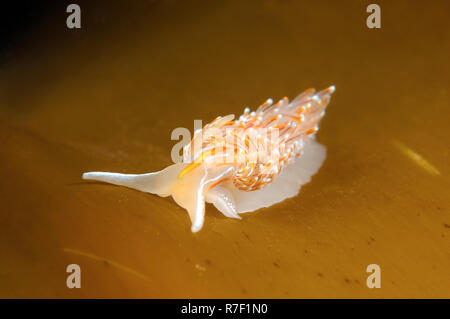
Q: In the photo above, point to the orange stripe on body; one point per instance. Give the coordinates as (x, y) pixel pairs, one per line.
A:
(218, 182)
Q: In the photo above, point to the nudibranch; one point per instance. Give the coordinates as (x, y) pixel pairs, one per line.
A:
(241, 165)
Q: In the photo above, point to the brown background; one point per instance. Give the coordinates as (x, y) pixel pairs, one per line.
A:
(107, 96)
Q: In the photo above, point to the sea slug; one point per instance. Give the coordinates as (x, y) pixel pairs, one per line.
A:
(241, 165)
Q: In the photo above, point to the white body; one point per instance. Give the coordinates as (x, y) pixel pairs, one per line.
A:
(235, 187)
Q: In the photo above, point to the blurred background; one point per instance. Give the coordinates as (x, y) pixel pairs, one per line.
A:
(108, 95)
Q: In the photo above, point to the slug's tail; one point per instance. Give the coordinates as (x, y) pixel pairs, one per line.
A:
(187, 192)
(159, 183)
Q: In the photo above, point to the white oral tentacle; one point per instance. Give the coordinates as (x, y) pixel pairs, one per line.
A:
(223, 200)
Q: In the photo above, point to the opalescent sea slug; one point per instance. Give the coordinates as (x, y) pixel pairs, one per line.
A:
(241, 165)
